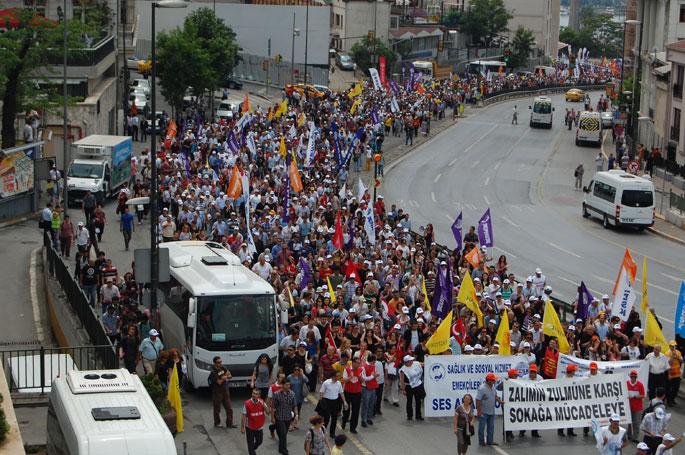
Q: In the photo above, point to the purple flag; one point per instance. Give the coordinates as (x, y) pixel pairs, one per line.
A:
(584, 301)
(441, 303)
(410, 81)
(350, 232)
(437, 293)
(286, 194)
(456, 230)
(374, 117)
(485, 230)
(394, 87)
(306, 273)
(233, 142)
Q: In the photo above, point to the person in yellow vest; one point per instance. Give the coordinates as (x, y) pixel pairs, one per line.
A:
(341, 364)
(675, 372)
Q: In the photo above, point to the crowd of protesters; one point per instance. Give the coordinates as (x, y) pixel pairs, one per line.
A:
(353, 290)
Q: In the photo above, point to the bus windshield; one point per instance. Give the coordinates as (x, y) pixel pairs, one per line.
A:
(542, 108)
(236, 322)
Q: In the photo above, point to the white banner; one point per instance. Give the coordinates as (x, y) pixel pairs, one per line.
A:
(564, 403)
(394, 107)
(251, 247)
(373, 72)
(625, 296)
(310, 147)
(621, 367)
(244, 120)
(370, 224)
(447, 378)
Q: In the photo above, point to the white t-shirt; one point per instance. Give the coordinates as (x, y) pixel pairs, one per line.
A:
(614, 441)
(264, 271)
(413, 373)
(662, 450)
(331, 390)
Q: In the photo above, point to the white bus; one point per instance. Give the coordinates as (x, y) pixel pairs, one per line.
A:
(104, 412)
(541, 112)
(483, 66)
(214, 306)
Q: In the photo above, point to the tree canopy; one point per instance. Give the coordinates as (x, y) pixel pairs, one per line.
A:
(201, 55)
(598, 33)
(484, 20)
(521, 45)
(362, 52)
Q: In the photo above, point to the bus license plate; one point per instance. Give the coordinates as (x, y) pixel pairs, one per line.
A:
(628, 220)
(237, 384)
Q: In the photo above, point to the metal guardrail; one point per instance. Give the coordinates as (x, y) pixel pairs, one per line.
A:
(502, 96)
(564, 309)
(677, 201)
(84, 57)
(77, 299)
(32, 370)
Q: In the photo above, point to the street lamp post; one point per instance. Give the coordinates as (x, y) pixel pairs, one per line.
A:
(296, 32)
(623, 49)
(306, 41)
(65, 126)
(154, 218)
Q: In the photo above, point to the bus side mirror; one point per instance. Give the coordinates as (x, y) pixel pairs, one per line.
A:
(552, 109)
(192, 317)
(530, 107)
(191, 305)
(586, 189)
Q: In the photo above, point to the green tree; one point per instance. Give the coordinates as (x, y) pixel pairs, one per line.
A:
(201, 54)
(484, 20)
(25, 50)
(598, 33)
(521, 45)
(363, 51)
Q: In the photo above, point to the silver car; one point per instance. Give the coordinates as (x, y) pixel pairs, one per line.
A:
(607, 119)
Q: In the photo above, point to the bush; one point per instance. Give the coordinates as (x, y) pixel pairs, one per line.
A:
(156, 392)
(4, 426)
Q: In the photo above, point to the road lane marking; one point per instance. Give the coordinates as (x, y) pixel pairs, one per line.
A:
(451, 163)
(433, 197)
(437, 177)
(448, 217)
(487, 201)
(466, 150)
(506, 252)
(604, 279)
(509, 221)
(475, 163)
(497, 165)
(668, 291)
(500, 450)
(470, 206)
(672, 277)
(487, 181)
(554, 245)
(414, 203)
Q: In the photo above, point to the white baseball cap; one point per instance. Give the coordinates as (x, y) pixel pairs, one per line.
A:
(153, 333)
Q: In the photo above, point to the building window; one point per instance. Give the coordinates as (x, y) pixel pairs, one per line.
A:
(675, 127)
(678, 83)
(39, 6)
(682, 13)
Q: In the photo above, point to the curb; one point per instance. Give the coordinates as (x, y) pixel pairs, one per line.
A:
(666, 236)
(20, 219)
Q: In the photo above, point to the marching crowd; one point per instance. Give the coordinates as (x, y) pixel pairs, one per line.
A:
(357, 289)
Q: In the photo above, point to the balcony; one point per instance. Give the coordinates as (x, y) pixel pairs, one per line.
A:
(90, 56)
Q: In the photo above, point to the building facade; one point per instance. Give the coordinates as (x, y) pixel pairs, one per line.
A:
(540, 17)
(675, 54)
(353, 20)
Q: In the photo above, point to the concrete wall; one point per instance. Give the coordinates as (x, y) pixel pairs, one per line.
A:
(253, 25)
(539, 16)
(14, 443)
(358, 20)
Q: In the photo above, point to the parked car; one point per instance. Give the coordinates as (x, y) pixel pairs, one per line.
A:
(575, 94)
(132, 62)
(226, 110)
(344, 62)
(138, 100)
(232, 83)
(158, 124)
(607, 119)
(139, 91)
(143, 84)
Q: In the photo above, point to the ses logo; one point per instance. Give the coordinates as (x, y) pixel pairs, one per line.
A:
(437, 372)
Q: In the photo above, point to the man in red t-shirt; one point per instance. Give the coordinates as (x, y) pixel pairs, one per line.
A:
(353, 394)
(636, 396)
(253, 418)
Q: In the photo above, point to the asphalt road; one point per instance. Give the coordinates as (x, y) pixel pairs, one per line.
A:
(525, 176)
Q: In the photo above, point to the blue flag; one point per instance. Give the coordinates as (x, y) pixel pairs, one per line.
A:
(680, 311)
(485, 230)
(585, 298)
(357, 137)
(456, 231)
(374, 117)
(232, 142)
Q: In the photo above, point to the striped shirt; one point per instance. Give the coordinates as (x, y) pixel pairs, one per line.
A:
(284, 405)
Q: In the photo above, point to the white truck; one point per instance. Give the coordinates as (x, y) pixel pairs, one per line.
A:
(101, 164)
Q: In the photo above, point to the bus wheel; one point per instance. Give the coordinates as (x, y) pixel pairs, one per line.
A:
(586, 214)
(605, 222)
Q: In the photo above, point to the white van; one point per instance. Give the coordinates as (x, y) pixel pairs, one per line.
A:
(620, 199)
(226, 110)
(541, 112)
(425, 67)
(105, 412)
(589, 129)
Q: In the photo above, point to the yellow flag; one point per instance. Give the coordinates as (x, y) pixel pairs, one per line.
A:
(330, 289)
(270, 115)
(356, 91)
(439, 342)
(653, 333)
(281, 149)
(301, 119)
(282, 109)
(174, 397)
(503, 336)
(645, 299)
(552, 326)
(290, 297)
(467, 296)
(355, 105)
(426, 300)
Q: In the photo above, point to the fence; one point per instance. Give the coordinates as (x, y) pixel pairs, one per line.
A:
(251, 69)
(564, 309)
(76, 297)
(526, 91)
(677, 201)
(32, 370)
(88, 56)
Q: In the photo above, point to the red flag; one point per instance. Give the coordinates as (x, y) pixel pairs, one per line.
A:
(400, 354)
(338, 237)
(352, 269)
(459, 331)
(329, 337)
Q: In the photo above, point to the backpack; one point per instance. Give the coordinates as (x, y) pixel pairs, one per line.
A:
(651, 408)
(311, 432)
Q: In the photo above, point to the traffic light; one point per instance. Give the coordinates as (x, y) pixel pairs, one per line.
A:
(278, 58)
(369, 35)
(507, 55)
(441, 45)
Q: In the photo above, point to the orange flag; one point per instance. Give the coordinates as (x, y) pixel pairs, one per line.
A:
(235, 185)
(246, 104)
(474, 257)
(630, 265)
(295, 179)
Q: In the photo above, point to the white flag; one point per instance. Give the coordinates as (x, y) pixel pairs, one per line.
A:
(244, 120)
(625, 296)
(361, 190)
(370, 225)
(251, 144)
(310, 148)
(252, 248)
(394, 107)
(373, 72)
(293, 131)
(343, 192)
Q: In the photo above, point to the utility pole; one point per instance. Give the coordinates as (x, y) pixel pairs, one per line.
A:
(306, 40)
(65, 124)
(268, 64)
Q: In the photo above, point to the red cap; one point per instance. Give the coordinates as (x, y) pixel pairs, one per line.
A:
(571, 368)
(593, 365)
(513, 373)
(633, 372)
(533, 367)
(491, 377)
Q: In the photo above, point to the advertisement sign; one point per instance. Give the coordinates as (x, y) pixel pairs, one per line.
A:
(447, 378)
(16, 174)
(564, 403)
(619, 367)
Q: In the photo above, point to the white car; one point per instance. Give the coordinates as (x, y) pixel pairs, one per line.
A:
(139, 100)
(226, 110)
(143, 84)
(607, 119)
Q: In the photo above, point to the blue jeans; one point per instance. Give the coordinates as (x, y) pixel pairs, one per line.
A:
(91, 291)
(368, 403)
(489, 421)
